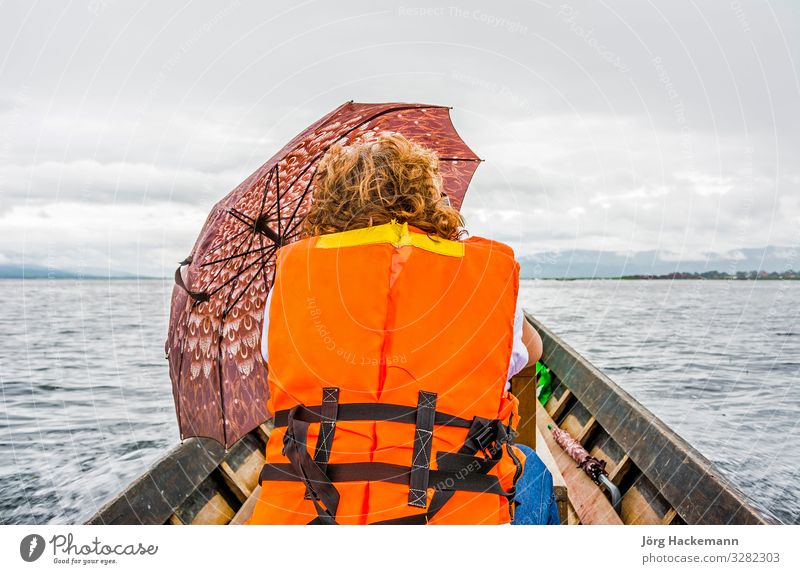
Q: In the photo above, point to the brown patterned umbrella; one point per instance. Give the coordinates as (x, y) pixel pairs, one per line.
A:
(219, 379)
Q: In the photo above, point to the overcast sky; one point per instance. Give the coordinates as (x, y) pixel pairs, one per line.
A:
(619, 125)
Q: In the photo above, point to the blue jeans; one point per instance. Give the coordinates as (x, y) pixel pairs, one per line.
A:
(535, 497)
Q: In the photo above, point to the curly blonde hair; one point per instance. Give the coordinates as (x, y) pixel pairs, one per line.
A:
(371, 183)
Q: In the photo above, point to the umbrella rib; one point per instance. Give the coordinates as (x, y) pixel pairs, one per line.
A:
(238, 271)
(242, 217)
(263, 263)
(289, 232)
(246, 287)
(219, 271)
(277, 197)
(263, 199)
(297, 207)
(227, 241)
(275, 237)
(301, 199)
(229, 258)
(242, 214)
(266, 254)
(222, 320)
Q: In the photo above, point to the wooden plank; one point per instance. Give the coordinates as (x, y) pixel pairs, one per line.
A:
(247, 508)
(586, 430)
(264, 430)
(206, 505)
(237, 487)
(669, 517)
(643, 504)
(556, 406)
(601, 445)
(152, 498)
(215, 511)
(635, 508)
(572, 517)
(523, 386)
(620, 468)
(249, 470)
(589, 502)
(689, 482)
(242, 465)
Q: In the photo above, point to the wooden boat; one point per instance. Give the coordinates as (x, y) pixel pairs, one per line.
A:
(661, 479)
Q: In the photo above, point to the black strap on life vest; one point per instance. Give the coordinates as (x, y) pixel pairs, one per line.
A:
(384, 472)
(421, 458)
(462, 470)
(486, 436)
(327, 426)
(369, 412)
(323, 494)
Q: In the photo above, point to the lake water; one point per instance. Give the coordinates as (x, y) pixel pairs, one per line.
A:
(86, 403)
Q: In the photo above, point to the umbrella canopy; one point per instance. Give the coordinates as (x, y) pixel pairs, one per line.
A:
(219, 379)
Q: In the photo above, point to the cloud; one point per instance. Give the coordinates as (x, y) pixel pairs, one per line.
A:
(113, 183)
(145, 239)
(152, 116)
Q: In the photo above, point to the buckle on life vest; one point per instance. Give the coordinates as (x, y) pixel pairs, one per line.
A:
(485, 439)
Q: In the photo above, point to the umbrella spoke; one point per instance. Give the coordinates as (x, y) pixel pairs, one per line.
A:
(235, 213)
(243, 218)
(246, 287)
(227, 241)
(277, 197)
(299, 203)
(231, 257)
(219, 271)
(255, 230)
(246, 219)
(292, 229)
(266, 255)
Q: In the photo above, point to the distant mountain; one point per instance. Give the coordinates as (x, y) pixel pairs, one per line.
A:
(20, 271)
(547, 265)
(587, 263)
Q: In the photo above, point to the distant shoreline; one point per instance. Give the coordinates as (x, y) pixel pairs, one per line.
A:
(705, 276)
(678, 276)
(633, 278)
(80, 278)
(595, 278)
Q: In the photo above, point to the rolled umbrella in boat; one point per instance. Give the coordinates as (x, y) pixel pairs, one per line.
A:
(219, 378)
(593, 467)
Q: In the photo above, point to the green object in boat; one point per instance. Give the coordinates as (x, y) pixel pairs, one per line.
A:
(543, 386)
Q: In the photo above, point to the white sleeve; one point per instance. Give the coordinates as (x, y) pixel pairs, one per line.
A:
(265, 327)
(519, 352)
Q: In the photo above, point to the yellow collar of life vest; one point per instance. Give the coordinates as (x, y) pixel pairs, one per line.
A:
(397, 234)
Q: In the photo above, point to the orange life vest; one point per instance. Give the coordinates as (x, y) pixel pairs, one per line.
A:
(388, 359)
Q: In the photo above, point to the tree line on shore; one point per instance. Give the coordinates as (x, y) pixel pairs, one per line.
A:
(738, 275)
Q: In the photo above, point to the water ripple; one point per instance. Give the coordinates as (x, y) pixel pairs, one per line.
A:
(717, 361)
